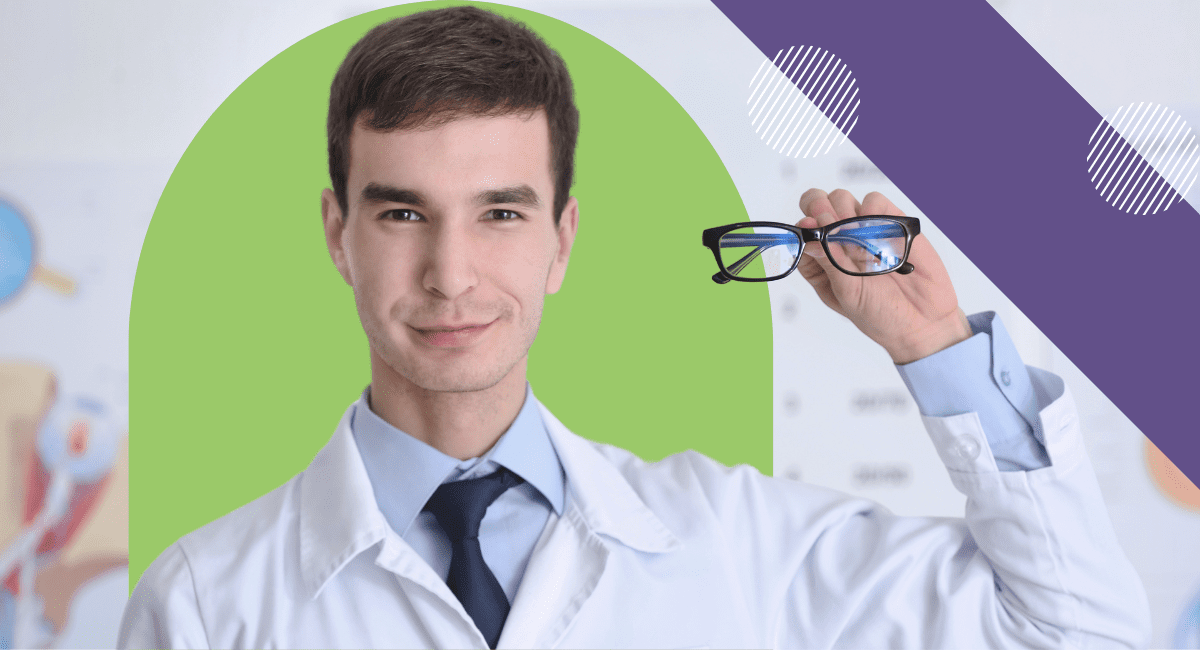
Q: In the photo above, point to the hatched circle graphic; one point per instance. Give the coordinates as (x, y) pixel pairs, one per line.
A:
(1142, 158)
(804, 102)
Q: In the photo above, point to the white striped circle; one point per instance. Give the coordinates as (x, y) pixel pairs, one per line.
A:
(1142, 158)
(804, 102)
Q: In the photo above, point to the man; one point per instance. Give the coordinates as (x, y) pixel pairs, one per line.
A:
(451, 509)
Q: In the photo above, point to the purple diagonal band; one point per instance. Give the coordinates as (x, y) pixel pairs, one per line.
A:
(986, 137)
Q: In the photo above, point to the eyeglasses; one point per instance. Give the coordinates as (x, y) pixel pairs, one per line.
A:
(870, 245)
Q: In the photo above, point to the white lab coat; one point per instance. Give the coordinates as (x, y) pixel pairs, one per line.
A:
(679, 553)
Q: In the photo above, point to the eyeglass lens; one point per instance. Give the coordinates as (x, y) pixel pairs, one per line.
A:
(759, 253)
(868, 246)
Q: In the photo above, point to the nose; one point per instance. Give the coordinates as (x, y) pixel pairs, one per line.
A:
(450, 267)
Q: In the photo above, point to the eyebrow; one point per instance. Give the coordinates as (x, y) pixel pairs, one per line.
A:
(376, 193)
(517, 194)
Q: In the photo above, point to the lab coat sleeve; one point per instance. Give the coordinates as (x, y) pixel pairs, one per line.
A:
(1035, 562)
(163, 611)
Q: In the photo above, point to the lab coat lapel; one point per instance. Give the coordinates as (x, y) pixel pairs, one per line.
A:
(435, 608)
(569, 560)
(336, 522)
(339, 520)
(606, 501)
(566, 565)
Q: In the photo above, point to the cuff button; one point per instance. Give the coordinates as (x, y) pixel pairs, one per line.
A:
(966, 447)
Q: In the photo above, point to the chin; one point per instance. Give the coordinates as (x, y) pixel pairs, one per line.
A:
(466, 376)
(452, 384)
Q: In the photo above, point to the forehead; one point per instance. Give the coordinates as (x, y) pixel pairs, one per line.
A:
(464, 154)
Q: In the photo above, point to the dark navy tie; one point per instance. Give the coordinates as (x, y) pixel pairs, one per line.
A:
(459, 507)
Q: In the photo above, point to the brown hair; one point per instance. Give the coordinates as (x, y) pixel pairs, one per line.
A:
(432, 67)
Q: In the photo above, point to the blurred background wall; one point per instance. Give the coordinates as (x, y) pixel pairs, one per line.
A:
(98, 100)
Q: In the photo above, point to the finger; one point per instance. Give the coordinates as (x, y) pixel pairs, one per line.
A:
(811, 270)
(815, 203)
(876, 203)
(818, 277)
(844, 204)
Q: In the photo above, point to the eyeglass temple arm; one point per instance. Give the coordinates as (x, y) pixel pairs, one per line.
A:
(863, 244)
(721, 278)
(861, 235)
(761, 241)
(903, 269)
(765, 241)
(874, 232)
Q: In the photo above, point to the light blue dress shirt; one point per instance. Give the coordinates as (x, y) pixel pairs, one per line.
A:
(405, 472)
(983, 374)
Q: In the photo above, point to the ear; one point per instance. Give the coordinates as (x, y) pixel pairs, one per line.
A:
(335, 225)
(568, 225)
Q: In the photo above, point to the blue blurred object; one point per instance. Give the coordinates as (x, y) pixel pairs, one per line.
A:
(78, 436)
(1187, 630)
(16, 251)
(8, 614)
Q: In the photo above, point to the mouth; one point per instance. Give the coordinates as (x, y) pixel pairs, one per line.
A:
(452, 336)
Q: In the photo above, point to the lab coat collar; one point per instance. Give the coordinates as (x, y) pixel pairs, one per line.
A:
(607, 502)
(338, 515)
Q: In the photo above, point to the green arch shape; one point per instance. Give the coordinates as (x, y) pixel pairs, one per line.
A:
(245, 346)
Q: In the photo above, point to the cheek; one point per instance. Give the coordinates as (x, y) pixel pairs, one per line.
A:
(380, 271)
(523, 271)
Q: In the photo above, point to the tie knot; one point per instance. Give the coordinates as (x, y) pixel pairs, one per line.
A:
(459, 506)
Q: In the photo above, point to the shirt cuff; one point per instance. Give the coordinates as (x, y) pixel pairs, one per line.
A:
(985, 375)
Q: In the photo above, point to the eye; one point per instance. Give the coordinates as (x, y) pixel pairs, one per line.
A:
(402, 215)
(504, 215)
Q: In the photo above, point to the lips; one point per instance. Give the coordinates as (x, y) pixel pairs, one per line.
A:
(452, 336)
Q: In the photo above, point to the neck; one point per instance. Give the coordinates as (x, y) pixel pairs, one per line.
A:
(462, 425)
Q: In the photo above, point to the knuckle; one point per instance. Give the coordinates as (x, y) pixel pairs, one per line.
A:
(877, 203)
(811, 195)
(876, 199)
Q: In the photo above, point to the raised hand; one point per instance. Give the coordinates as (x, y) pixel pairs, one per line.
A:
(911, 316)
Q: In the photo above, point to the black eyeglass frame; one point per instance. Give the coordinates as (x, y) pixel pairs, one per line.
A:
(711, 238)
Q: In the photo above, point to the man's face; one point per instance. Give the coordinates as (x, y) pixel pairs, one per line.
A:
(450, 246)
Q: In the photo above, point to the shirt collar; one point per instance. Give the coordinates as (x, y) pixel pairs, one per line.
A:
(404, 472)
